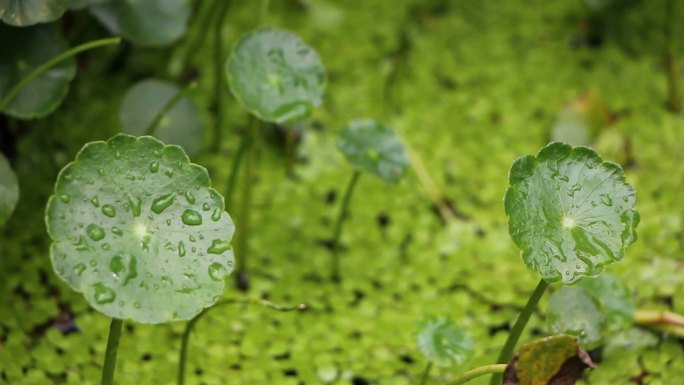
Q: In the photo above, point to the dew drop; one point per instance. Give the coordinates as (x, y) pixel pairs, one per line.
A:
(137, 305)
(117, 266)
(79, 269)
(109, 211)
(162, 203)
(103, 294)
(117, 231)
(95, 232)
(181, 249)
(192, 238)
(135, 203)
(206, 207)
(65, 198)
(101, 172)
(189, 197)
(218, 246)
(216, 215)
(191, 218)
(117, 155)
(95, 201)
(217, 271)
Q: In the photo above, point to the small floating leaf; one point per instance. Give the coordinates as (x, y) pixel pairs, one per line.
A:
(569, 212)
(24, 49)
(21, 13)
(132, 248)
(9, 190)
(180, 125)
(153, 23)
(555, 360)
(275, 75)
(374, 147)
(443, 343)
(572, 311)
(614, 300)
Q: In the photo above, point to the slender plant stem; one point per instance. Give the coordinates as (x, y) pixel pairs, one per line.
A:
(243, 218)
(198, 32)
(185, 340)
(219, 78)
(655, 317)
(341, 216)
(497, 369)
(245, 143)
(426, 373)
(51, 63)
(513, 337)
(110, 353)
(673, 76)
(152, 128)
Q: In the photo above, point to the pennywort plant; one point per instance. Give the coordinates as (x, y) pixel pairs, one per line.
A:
(139, 231)
(279, 79)
(9, 190)
(373, 147)
(443, 343)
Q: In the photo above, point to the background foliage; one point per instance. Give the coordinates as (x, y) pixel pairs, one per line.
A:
(471, 85)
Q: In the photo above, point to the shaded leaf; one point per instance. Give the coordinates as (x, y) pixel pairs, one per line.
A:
(374, 147)
(139, 231)
(443, 343)
(152, 23)
(569, 212)
(573, 311)
(9, 190)
(23, 50)
(79, 4)
(275, 75)
(180, 125)
(22, 13)
(555, 360)
(614, 300)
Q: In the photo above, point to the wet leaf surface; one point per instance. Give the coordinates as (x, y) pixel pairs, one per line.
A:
(276, 75)
(444, 343)
(23, 50)
(569, 212)
(374, 147)
(139, 231)
(573, 311)
(21, 13)
(145, 100)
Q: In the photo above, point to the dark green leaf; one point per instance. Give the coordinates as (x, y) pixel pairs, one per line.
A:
(79, 4)
(275, 75)
(139, 231)
(573, 311)
(24, 49)
(9, 190)
(443, 343)
(555, 360)
(374, 146)
(145, 100)
(152, 23)
(569, 212)
(21, 13)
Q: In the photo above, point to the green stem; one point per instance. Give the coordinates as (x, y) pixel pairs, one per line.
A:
(219, 79)
(426, 373)
(673, 81)
(496, 369)
(152, 128)
(245, 143)
(51, 63)
(513, 337)
(243, 218)
(341, 216)
(110, 353)
(191, 324)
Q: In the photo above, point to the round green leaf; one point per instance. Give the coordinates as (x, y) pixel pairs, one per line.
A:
(275, 75)
(139, 231)
(152, 23)
(443, 343)
(569, 212)
(180, 125)
(573, 311)
(24, 49)
(373, 146)
(9, 190)
(21, 13)
(614, 300)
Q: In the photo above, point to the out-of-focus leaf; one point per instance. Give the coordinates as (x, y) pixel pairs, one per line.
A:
(614, 300)
(569, 212)
(24, 49)
(180, 125)
(573, 311)
(275, 75)
(21, 13)
(444, 343)
(139, 231)
(78, 4)
(374, 147)
(9, 190)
